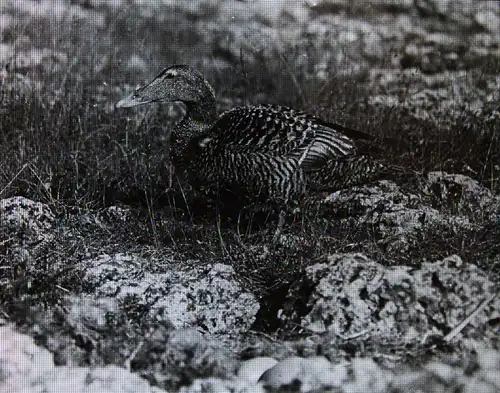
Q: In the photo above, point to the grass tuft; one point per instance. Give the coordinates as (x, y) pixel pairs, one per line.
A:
(62, 142)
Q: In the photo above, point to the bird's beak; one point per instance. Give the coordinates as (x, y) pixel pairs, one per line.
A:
(133, 99)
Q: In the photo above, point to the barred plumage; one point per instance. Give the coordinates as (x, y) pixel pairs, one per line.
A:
(255, 152)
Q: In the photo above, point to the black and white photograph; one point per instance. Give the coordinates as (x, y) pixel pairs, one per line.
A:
(250, 196)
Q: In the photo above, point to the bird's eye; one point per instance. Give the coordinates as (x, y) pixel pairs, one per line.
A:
(166, 73)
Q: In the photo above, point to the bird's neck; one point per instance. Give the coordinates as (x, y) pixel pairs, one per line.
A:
(197, 120)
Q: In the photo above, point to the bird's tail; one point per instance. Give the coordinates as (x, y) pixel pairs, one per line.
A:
(353, 171)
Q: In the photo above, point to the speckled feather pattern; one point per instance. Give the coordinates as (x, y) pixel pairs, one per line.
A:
(281, 131)
(265, 152)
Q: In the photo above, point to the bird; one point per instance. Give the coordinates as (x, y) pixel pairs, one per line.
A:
(263, 152)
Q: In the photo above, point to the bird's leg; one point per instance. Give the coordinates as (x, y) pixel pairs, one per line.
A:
(281, 224)
(171, 175)
(241, 215)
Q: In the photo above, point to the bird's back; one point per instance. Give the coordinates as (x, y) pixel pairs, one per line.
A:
(281, 132)
(264, 152)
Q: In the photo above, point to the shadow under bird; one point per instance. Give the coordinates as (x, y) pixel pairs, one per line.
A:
(253, 153)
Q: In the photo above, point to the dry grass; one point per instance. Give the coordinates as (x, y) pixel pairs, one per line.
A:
(64, 145)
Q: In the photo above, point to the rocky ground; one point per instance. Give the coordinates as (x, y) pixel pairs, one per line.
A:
(110, 283)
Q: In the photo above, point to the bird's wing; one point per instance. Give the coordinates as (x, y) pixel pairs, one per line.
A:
(281, 131)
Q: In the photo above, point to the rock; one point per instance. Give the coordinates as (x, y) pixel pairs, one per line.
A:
(21, 361)
(25, 367)
(32, 221)
(440, 376)
(116, 214)
(463, 195)
(218, 385)
(304, 374)
(251, 370)
(195, 356)
(208, 297)
(399, 218)
(27, 226)
(367, 376)
(354, 297)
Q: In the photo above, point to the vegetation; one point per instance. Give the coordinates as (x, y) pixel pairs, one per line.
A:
(63, 143)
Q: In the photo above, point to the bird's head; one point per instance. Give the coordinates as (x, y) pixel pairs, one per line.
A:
(176, 83)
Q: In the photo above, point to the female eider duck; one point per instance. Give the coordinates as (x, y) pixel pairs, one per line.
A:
(252, 153)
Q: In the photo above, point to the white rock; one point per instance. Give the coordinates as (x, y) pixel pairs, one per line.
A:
(252, 369)
(26, 367)
(309, 373)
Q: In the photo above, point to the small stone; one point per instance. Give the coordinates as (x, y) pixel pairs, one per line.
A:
(252, 369)
(309, 374)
